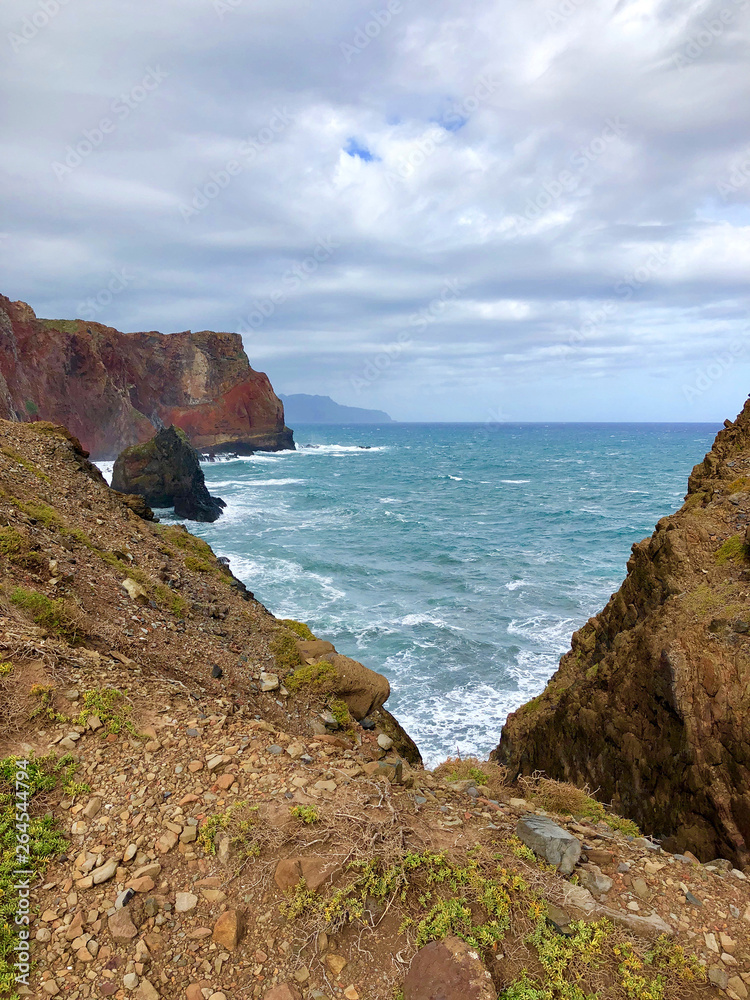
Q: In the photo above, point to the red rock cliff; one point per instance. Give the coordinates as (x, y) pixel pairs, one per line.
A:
(651, 706)
(114, 389)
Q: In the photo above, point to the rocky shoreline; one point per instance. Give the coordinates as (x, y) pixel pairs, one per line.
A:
(651, 705)
(241, 817)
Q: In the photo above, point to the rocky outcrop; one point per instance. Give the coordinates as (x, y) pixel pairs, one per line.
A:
(113, 389)
(651, 706)
(165, 471)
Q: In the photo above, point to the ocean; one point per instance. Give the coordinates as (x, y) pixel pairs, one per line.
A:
(457, 559)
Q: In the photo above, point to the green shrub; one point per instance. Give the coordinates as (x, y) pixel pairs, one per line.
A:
(44, 842)
(317, 675)
(733, 550)
(284, 649)
(106, 703)
(53, 615)
(302, 630)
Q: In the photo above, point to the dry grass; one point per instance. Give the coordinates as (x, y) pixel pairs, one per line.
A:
(565, 799)
(491, 776)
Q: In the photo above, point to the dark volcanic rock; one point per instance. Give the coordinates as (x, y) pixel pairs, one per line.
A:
(166, 473)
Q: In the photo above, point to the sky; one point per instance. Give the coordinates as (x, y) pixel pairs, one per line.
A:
(447, 209)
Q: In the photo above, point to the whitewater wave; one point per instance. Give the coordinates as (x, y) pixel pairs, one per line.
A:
(106, 469)
(544, 630)
(515, 482)
(339, 449)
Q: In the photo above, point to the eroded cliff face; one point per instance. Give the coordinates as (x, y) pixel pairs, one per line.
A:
(113, 389)
(651, 706)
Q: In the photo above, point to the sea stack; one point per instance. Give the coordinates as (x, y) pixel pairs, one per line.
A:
(165, 471)
(651, 706)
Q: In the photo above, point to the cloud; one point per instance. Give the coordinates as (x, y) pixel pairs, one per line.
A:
(581, 171)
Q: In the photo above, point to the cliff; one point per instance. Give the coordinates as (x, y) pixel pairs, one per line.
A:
(651, 705)
(304, 409)
(113, 389)
(218, 806)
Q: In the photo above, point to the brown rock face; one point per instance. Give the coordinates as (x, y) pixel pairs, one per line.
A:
(448, 970)
(651, 706)
(113, 389)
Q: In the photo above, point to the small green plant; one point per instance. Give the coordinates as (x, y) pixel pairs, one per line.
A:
(741, 485)
(19, 815)
(340, 712)
(198, 565)
(51, 614)
(209, 828)
(74, 788)
(301, 900)
(239, 819)
(16, 456)
(733, 550)
(316, 675)
(307, 814)
(302, 630)
(285, 653)
(42, 513)
(521, 850)
(5, 669)
(12, 542)
(565, 799)
(106, 703)
(31, 408)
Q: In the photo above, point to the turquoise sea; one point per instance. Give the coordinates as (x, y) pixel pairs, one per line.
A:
(457, 559)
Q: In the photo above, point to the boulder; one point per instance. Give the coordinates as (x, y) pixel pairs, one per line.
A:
(165, 471)
(403, 744)
(315, 871)
(363, 690)
(549, 841)
(448, 970)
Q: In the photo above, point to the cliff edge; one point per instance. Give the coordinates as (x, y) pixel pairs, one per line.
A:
(651, 705)
(113, 390)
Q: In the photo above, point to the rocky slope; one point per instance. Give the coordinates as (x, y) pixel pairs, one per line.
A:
(223, 809)
(113, 390)
(651, 706)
